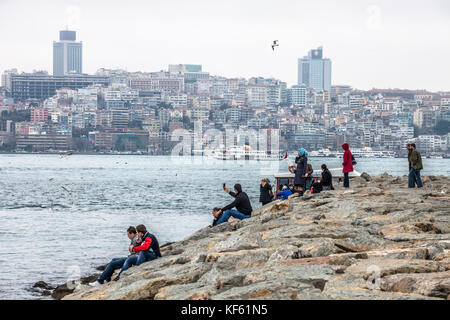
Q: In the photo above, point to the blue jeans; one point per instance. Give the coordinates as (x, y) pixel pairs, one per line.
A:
(145, 256)
(131, 261)
(308, 184)
(413, 178)
(115, 263)
(231, 213)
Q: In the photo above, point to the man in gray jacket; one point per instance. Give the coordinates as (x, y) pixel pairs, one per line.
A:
(118, 263)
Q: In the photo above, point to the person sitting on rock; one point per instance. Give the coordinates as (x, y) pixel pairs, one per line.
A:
(148, 250)
(118, 263)
(217, 213)
(241, 203)
(285, 193)
(327, 178)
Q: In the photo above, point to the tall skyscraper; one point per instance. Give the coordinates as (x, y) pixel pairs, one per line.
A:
(67, 54)
(314, 71)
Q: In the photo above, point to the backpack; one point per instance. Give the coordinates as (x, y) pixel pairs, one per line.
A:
(270, 193)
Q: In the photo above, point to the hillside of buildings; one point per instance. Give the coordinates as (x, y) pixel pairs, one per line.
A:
(120, 111)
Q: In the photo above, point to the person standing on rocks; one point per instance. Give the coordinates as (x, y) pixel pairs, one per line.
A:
(410, 149)
(265, 189)
(416, 165)
(347, 164)
(241, 203)
(300, 169)
(118, 263)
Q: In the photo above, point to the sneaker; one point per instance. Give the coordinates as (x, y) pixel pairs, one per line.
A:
(117, 278)
(95, 283)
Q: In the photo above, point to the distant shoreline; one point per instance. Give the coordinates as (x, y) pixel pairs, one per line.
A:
(162, 155)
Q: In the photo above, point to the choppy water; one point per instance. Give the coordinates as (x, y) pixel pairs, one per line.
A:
(57, 214)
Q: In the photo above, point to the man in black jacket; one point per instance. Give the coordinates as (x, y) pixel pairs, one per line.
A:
(241, 202)
(327, 178)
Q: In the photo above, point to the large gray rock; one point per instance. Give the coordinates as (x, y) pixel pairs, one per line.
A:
(378, 240)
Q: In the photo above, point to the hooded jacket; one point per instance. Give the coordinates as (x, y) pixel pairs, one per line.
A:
(347, 161)
(149, 241)
(265, 195)
(241, 202)
(302, 163)
(327, 179)
(284, 194)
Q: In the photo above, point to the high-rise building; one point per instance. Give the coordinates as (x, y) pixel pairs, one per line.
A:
(67, 54)
(314, 71)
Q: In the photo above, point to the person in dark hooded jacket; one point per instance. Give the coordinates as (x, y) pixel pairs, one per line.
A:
(347, 165)
(327, 178)
(241, 203)
(265, 189)
(301, 164)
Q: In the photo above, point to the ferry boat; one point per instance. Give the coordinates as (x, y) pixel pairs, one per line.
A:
(244, 153)
(287, 178)
(357, 153)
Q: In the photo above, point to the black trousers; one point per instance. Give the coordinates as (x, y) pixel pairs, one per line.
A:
(346, 180)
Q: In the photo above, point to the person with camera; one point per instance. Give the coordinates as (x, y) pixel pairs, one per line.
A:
(241, 203)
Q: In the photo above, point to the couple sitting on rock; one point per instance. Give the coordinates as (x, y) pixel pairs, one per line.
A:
(241, 203)
(143, 247)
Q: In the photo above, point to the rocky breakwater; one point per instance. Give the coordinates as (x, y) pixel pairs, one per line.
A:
(376, 240)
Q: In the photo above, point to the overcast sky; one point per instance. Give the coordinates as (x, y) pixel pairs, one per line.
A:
(378, 43)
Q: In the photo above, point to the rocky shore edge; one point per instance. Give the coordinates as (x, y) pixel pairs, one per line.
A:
(376, 240)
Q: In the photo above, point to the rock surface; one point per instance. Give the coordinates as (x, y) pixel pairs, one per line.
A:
(376, 240)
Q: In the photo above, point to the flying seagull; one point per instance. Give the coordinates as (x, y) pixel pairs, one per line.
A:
(275, 44)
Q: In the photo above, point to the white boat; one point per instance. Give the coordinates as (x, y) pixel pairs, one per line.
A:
(357, 153)
(244, 153)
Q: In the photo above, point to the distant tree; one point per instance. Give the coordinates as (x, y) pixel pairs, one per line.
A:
(135, 124)
(187, 124)
(101, 103)
(165, 105)
(224, 106)
(16, 115)
(417, 131)
(442, 127)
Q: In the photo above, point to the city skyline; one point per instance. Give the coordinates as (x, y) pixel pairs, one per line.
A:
(383, 46)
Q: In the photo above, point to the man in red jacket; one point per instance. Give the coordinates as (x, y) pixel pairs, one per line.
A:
(347, 164)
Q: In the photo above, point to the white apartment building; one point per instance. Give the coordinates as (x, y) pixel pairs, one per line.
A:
(256, 96)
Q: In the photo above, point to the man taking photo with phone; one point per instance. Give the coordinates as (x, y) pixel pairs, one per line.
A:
(241, 203)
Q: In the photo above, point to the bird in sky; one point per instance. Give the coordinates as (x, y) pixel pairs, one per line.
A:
(275, 44)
